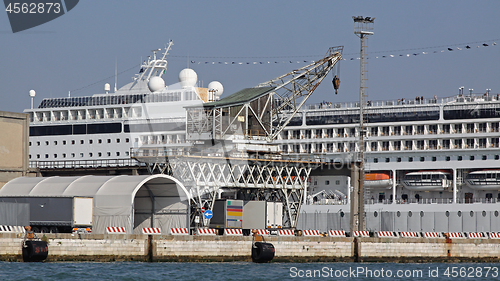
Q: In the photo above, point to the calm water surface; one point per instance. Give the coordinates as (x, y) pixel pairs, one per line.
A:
(246, 271)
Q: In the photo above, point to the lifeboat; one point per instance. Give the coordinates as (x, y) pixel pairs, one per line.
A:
(378, 180)
(483, 180)
(427, 180)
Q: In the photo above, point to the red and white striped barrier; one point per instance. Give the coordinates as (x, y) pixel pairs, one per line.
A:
(361, 234)
(115, 230)
(336, 233)
(12, 228)
(286, 232)
(409, 234)
(475, 235)
(151, 230)
(179, 231)
(261, 231)
(432, 235)
(494, 235)
(455, 235)
(388, 234)
(309, 232)
(206, 231)
(233, 231)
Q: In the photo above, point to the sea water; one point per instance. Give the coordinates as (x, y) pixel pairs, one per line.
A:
(247, 271)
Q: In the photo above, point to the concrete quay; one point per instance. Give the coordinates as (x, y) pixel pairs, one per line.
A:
(127, 247)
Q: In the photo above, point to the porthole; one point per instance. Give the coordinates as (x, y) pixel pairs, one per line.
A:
(375, 214)
(342, 214)
(447, 213)
(496, 213)
(471, 213)
(422, 214)
(410, 214)
(459, 213)
(398, 214)
(484, 213)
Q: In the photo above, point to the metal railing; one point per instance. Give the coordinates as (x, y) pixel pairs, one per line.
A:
(68, 164)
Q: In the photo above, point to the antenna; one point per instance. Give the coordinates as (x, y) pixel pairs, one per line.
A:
(116, 70)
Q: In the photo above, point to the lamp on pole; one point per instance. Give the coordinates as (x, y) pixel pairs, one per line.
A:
(363, 27)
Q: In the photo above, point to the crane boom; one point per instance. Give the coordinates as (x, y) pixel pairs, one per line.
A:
(294, 88)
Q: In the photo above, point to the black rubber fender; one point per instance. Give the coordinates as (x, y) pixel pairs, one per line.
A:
(262, 252)
(34, 251)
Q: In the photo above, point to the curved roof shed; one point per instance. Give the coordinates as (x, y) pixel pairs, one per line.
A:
(132, 202)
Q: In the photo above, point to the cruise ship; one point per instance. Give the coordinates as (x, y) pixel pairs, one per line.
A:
(437, 158)
(101, 130)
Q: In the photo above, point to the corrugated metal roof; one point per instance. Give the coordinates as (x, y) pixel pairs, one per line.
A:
(240, 97)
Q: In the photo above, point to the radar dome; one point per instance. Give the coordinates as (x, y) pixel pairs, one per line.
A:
(188, 78)
(216, 87)
(156, 84)
(32, 93)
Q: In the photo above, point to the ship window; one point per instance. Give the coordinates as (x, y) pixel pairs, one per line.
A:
(375, 160)
(82, 141)
(398, 213)
(422, 214)
(127, 153)
(399, 159)
(327, 182)
(459, 158)
(91, 141)
(29, 156)
(118, 153)
(64, 142)
(55, 155)
(81, 154)
(117, 140)
(410, 214)
(459, 213)
(46, 156)
(387, 160)
(472, 158)
(127, 140)
(64, 155)
(434, 159)
(484, 157)
(46, 142)
(99, 141)
(422, 159)
(496, 212)
(73, 155)
(38, 156)
(375, 214)
(29, 143)
(410, 159)
(447, 213)
(38, 143)
(471, 213)
(448, 158)
(99, 154)
(497, 157)
(109, 153)
(91, 154)
(109, 140)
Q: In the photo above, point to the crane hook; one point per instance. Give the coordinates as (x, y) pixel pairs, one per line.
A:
(336, 83)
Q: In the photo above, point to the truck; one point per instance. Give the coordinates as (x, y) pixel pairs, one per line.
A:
(247, 215)
(58, 214)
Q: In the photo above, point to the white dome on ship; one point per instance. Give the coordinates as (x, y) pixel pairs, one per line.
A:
(216, 87)
(156, 84)
(188, 78)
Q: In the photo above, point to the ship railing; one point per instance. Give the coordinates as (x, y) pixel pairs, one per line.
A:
(399, 102)
(69, 164)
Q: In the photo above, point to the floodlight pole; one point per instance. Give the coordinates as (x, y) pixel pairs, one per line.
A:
(363, 27)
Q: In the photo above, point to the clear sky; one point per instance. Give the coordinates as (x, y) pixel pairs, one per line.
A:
(81, 47)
